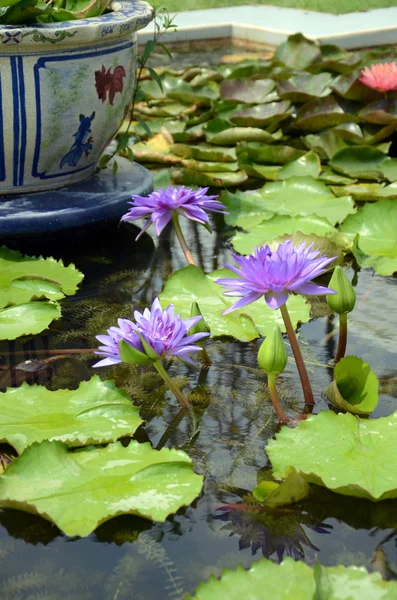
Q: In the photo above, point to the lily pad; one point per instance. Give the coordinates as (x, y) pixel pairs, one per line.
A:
(355, 386)
(382, 112)
(326, 144)
(208, 178)
(261, 115)
(363, 192)
(308, 164)
(79, 490)
(205, 152)
(297, 52)
(224, 133)
(269, 173)
(295, 580)
(96, 413)
(25, 319)
(245, 209)
(23, 278)
(246, 90)
(376, 228)
(301, 88)
(347, 454)
(210, 167)
(363, 162)
(267, 154)
(317, 115)
(192, 285)
(265, 232)
(156, 150)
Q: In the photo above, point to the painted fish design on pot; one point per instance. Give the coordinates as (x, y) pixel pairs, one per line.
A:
(82, 144)
(106, 81)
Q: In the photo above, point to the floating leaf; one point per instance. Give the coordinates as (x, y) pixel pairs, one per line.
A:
(23, 278)
(224, 133)
(300, 88)
(337, 582)
(25, 319)
(278, 225)
(362, 192)
(247, 69)
(96, 413)
(210, 167)
(329, 176)
(297, 52)
(155, 125)
(355, 386)
(347, 454)
(156, 150)
(364, 162)
(246, 90)
(376, 228)
(261, 171)
(292, 490)
(79, 490)
(382, 112)
(261, 115)
(308, 164)
(267, 154)
(190, 285)
(320, 114)
(205, 152)
(245, 209)
(326, 144)
(210, 179)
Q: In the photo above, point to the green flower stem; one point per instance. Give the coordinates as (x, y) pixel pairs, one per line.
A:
(205, 356)
(171, 428)
(271, 382)
(305, 381)
(340, 353)
(182, 241)
(177, 393)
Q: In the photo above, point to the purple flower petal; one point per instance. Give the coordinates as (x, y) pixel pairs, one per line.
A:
(276, 299)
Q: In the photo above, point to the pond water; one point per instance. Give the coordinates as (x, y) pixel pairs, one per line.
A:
(129, 557)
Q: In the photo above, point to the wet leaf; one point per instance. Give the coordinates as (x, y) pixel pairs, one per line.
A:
(333, 583)
(246, 90)
(301, 88)
(376, 228)
(361, 192)
(363, 162)
(328, 175)
(23, 278)
(297, 52)
(267, 154)
(307, 165)
(326, 144)
(382, 112)
(205, 152)
(247, 69)
(25, 319)
(321, 114)
(169, 109)
(156, 150)
(292, 490)
(210, 167)
(245, 209)
(261, 171)
(261, 115)
(279, 225)
(79, 490)
(210, 179)
(96, 413)
(347, 454)
(355, 386)
(224, 133)
(155, 125)
(178, 89)
(190, 285)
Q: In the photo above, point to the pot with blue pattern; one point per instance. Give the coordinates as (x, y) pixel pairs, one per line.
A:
(64, 91)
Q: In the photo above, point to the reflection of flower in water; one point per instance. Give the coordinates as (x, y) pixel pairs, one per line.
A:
(273, 532)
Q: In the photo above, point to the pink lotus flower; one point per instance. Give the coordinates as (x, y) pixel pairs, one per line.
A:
(381, 77)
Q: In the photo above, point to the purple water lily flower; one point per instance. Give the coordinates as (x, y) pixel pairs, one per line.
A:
(161, 205)
(164, 331)
(275, 274)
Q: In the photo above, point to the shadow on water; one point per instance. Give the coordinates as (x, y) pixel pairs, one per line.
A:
(129, 557)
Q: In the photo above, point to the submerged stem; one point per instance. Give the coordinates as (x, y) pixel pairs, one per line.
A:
(305, 381)
(340, 353)
(271, 382)
(167, 379)
(182, 240)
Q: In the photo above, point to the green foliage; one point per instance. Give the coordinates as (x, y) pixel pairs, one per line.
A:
(24, 12)
(96, 413)
(24, 319)
(79, 490)
(355, 386)
(347, 454)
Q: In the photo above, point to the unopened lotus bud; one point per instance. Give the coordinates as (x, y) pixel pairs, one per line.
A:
(272, 355)
(201, 326)
(345, 298)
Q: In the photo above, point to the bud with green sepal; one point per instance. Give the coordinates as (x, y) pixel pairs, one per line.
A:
(342, 303)
(200, 327)
(272, 358)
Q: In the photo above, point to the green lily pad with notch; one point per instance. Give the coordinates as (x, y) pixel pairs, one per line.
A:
(363, 192)
(210, 167)
(347, 455)
(376, 228)
(304, 87)
(245, 209)
(381, 112)
(168, 109)
(366, 135)
(317, 115)
(191, 134)
(96, 413)
(155, 126)
(192, 285)
(329, 176)
(23, 278)
(349, 87)
(261, 115)
(78, 490)
(180, 90)
(292, 490)
(297, 52)
(26, 319)
(335, 59)
(267, 154)
(295, 580)
(269, 173)
(155, 150)
(208, 178)
(205, 152)
(279, 225)
(247, 69)
(246, 90)
(326, 144)
(362, 162)
(355, 386)
(308, 164)
(224, 133)
(305, 196)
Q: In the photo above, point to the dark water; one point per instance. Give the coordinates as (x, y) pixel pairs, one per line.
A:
(128, 557)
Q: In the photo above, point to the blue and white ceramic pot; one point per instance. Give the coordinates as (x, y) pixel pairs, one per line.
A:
(64, 90)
